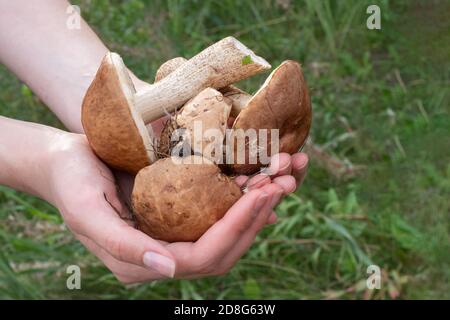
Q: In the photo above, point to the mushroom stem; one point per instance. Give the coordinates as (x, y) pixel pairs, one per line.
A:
(238, 97)
(218, 66)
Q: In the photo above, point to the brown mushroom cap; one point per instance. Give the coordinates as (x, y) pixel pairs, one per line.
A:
(115, 132)
(281, 103)
(179, 202)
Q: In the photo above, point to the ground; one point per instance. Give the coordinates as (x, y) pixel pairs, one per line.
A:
(381, 103)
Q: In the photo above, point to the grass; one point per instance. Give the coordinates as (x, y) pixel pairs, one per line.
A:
(380, 99)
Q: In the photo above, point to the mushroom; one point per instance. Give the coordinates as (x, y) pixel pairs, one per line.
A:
(238, 97)
(178, 200)
(168, 67)
(201, 125)
(114, 114)
(204, 119)
(281, 103)
(175, 201)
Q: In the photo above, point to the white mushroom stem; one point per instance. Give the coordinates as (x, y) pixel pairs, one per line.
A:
(218, 66)
(238, 97)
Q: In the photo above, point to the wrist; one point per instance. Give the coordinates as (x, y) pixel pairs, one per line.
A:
(60, 158)
(24, 156)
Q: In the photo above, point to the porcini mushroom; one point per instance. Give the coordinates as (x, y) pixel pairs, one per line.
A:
(114, 114)
(201, 125)
(282, 103)
(238, 97)
(179, 201)
(204, 121)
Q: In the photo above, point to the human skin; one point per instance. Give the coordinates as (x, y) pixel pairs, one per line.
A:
(61, 168)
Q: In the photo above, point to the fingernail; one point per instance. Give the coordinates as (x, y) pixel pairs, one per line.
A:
(301, 164)
(260, 202)
(272, 218)
(159, 263)
(285, 167)
(258, 180)
(276, 198)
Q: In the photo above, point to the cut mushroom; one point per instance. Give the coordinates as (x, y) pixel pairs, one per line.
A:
(179, 200)
(114, 115)
(282, 103)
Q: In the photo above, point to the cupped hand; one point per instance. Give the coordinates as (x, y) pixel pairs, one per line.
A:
(85, 192)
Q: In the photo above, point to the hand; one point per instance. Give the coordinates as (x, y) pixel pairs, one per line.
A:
(83, 189)
(285, 170)
(218, 250)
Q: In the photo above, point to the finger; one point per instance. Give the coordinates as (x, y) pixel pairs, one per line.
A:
(257, 181)
(237, 221)
(123, 242)
(125, 272)
(241, 180)
(201, 256)
(288, 183)
(272, 218)
(299, 167)
(248, 237)
(280, 164)
(254, 182)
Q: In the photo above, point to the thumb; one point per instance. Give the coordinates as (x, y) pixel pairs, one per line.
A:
(124, 242)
